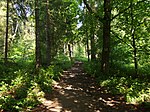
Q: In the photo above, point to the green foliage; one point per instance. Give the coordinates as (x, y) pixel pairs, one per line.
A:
(92, 68)
(22, 89)
(14, 95)
(62, 62)
(121, 82)
(134, 90)
(82, 59)
(79, 51)
(44, 78)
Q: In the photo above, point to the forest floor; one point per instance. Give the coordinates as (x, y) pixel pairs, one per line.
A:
(78, 92)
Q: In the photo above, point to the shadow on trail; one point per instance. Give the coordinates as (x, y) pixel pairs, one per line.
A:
(78, 92)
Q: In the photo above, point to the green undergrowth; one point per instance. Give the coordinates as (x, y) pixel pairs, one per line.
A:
(82, 59)
(63, 62)
(135, 90)
(21, 89)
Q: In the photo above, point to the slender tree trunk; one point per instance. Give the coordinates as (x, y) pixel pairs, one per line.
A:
(134, 42)
(37, 42)
(106, 37)
(72, 48)
(134, 52)
(48, 57)
(92, 39)
(87, 36)
(65, 49)
(87, 47)
(93, 57)
(69, 49)
(52, 40)
(6, 38)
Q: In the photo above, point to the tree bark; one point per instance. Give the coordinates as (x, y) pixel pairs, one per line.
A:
(87, 35)
(6, 38)
(93, 57)
(106, 37)
(92, 32)
(48, 49)
(37, 40)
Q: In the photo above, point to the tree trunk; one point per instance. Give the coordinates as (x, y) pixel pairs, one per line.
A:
(92, 33)
(69, 49)
(87, 36)
(134, 42)
(48, 49)
(87, 48)
(72, 48)
(106, 37)
(6, 38)
(93, 57)
(37, 41)
(134, 53)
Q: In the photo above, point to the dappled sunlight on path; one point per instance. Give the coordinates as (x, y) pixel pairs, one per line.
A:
(78, 92)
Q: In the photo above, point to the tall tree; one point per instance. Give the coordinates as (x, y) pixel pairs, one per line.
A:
(92, 39)
(37, 42)
(106, 20)
(48, 40)
(106, 36)
(133, 29)
(6, 38)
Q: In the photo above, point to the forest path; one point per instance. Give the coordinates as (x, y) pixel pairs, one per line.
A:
(78, 92)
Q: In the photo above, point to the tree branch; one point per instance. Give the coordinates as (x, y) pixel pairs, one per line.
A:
(87, 6)
(91, 11)
(115, 34)
(121, 12)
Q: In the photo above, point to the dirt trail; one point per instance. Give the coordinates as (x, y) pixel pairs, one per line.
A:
(78, 92)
